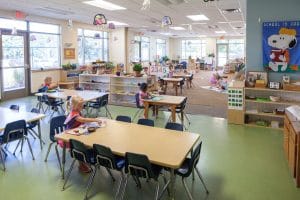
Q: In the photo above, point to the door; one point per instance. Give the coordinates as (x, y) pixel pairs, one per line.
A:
(222, 54)
(14, 66)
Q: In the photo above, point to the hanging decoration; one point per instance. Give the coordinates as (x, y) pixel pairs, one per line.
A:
(32, 37)
(14, 31)
(99, 20)
(146, 5)
(70, 24)
(190, 28)
(166, 21)
(111, 26)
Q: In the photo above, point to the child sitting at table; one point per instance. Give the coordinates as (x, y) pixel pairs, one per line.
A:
(75, 119)
(144, 94)
(47, 85)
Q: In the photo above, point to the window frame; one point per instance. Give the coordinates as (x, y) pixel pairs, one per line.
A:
(161, 42)
(184, 43)
(82, 40)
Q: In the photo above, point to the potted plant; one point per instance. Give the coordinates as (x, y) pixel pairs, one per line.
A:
(137, 68)
(109, 67)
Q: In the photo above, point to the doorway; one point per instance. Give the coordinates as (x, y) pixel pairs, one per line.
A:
(14, 68)
(222, 54)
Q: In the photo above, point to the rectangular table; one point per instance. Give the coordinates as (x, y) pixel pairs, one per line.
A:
(164, 100)
(7, 116)
(175, 82)
(187, 77)
(87, 95)
(163, 147)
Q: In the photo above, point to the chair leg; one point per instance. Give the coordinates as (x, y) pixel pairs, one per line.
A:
(119, 185)
(49, 148)
(137, 181)
(136, 114)
(22, 142)
(188, 119)
(193, 174)
(157, 191)
(201, 180)
(187, 189)
(68, 174)
(2, 158)
(90, 182)
(29, 131)
(37, 135)
(108, 112)
(29, 145)
(124, 187)
(58, 157)
(109, 172)
(14, 153)
(166, 184)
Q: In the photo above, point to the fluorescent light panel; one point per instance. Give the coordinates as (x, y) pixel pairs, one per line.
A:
(219, 32)
(104, 5)
(177, 28)
(197, 17)
(118, 23)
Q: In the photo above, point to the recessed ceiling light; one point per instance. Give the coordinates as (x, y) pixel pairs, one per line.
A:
(118, 23)
(219, 32)
(202, 36)
(104, 5)
(199, 23)
(177, 28)
(197, 17)
(166, 33)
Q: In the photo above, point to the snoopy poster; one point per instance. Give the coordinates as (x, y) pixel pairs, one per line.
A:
(280, 46)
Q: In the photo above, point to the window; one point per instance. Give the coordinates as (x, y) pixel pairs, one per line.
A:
(10, 24)
(92, 46)
(193, 49)
(236, 49)
(44, 45)
(145, 49)
(161, 48)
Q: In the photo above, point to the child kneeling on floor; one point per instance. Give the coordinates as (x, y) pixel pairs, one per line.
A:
(75, 119)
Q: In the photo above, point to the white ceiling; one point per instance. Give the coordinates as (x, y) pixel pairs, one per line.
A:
(145, 20)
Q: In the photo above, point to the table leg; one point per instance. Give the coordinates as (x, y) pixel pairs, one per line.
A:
(176, 89)
(40, 134)
(146, 111)
(172, 184)
(173, 109)
(182, 118)
(63, 160)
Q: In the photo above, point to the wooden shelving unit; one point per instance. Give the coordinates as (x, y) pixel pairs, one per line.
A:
(122, 89)
(254, 109)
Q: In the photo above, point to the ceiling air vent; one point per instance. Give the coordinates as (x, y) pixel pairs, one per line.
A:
(231, 10)
(171, 2)
(213, 26)
(55, 11)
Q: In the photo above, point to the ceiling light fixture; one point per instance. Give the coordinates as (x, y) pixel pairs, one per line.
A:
(220, 32)
(177, 28)
(146, 5)
(104, 5)
(197, 17)
(118, 23)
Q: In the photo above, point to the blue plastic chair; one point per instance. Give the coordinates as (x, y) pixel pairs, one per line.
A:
(14, 131)
(174, 126)
(123, 118)
(146, 122)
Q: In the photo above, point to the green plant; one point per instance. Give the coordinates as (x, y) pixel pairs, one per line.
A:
(137, 67)
(110, 65)
(165, 58)
(211, 55)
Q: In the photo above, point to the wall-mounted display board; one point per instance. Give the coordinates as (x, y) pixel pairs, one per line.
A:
(281, 48)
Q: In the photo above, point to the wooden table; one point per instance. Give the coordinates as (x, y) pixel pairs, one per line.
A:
(7, 116)
(163, 147)
(87, 95)
(187, 77)
(175, 82)
(164, 100)
(68, 85)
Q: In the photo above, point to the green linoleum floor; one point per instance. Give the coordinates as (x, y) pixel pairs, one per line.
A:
(237, 163)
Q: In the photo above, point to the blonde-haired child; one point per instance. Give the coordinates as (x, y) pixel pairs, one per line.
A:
(75, 119)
